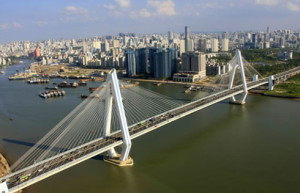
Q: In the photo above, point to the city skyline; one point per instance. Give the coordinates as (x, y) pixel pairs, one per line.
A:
(40, 20)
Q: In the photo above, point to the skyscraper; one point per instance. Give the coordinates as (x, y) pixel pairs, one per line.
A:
(254, 40)
(142, 60)
(130, 62)
(188, 46)
(164, 62)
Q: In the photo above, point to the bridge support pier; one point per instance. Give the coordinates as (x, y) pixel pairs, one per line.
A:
(238, 63)
(271, 83)
(113, 93)
(3, 187)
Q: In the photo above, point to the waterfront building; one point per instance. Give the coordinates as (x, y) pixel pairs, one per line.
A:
(142, 61)
(193, 63)
(165, 63)
(130, 62)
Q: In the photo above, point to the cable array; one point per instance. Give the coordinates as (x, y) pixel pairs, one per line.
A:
(86, 122)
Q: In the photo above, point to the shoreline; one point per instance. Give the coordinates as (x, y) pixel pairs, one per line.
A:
(262, 93)
(5, 167)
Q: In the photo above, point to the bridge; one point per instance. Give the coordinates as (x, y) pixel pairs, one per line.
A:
(86, 132)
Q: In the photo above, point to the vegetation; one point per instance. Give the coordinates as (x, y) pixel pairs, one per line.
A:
(222, 59)
(289, 88)
(268, 56)
(266, 62)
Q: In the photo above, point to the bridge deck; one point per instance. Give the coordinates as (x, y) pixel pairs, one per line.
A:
(39, 171)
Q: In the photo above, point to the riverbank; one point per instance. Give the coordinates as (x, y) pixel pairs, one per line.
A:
(288, 89)
(5, 168)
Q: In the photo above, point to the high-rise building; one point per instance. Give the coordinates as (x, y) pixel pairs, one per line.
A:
(268, 30)
(282, 42)
(254, 40)
(142, 61)
(188, 42)
(130, 62)
(37, 52)
(115, 43)
(225, 45)
(194, 62)
(170, 36)
(225, 35)
(214, 45)
(202, 45)
(97, 45)
(104, 46)
(182, 46)
(164, 62)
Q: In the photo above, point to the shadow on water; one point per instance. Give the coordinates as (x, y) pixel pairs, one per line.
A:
(28, 144)
(45, 147)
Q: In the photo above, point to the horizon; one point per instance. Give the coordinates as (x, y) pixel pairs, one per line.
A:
(73, 19)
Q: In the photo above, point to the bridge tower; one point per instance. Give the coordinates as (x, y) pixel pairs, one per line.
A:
(113, 96)
(3, 187)
(238, 63)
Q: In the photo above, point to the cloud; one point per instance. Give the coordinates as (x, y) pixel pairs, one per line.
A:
(163, 7)
(109, 7)
(41, 23)
(13, 25)
(72, 10)
(293, 7)
(145, 13)
(123, 3)
(267, 2)
(208, 5)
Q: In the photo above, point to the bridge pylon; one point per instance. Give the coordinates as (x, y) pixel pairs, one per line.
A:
(113, 96)
(3, 187)
(238, 63)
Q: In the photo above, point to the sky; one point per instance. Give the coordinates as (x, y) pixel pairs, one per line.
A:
(54, 19)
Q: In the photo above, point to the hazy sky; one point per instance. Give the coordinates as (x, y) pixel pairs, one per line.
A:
(46, 19)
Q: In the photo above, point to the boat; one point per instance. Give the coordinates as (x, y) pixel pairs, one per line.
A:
(67, 85)
(52, 88)
(2, 72)
(157, 84)
(38, 81)
(52, 93)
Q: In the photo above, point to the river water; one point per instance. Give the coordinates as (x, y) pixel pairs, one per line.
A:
(223, 148)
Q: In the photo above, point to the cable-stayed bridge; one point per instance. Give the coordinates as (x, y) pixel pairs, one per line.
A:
(112, 117)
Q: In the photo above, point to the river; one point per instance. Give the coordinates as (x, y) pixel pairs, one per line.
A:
(223, 148)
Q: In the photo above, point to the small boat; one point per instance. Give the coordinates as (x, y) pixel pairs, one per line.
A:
(52, 93)
(67, 85)
(157, 84)
(2, 72)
